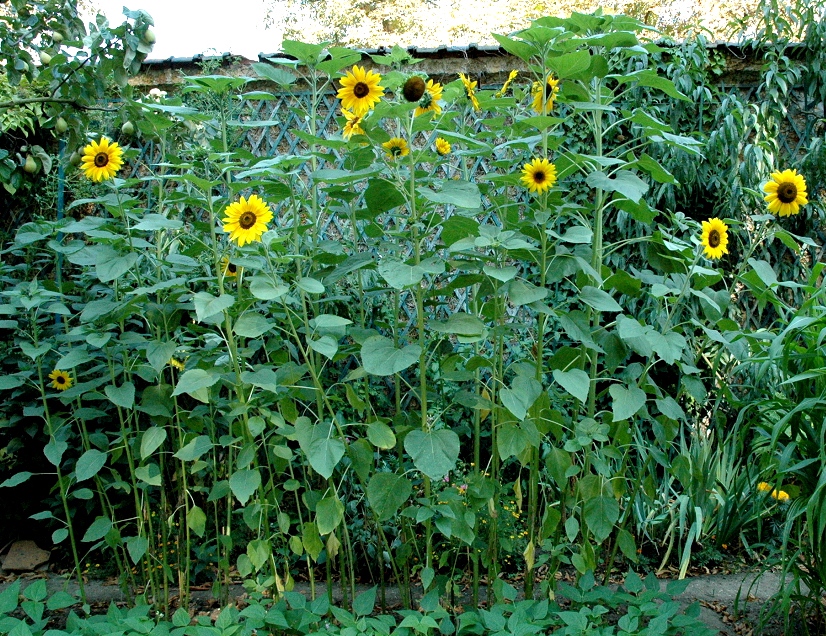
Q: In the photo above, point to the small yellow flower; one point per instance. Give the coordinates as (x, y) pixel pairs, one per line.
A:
(60, 380)
(176, 364)
(780, 496)
(429, 101)
(714, 238)
(764, 486)
(442, 146)
(352, 126)
(360, 90)
(548, 95)
(102, 159)
(501, 92)
(539, 175)
(396, 147)
(786, 193)
(470, 89)
(246, 220)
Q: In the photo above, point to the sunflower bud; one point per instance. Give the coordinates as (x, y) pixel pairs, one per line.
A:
(413, 89)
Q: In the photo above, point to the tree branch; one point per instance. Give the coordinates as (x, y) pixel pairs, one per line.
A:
(54, 100)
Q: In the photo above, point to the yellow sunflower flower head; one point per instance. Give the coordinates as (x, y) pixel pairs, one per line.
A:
(786, 193)
(429, 100)
(246, 220)
(228, 269)
(539, 175)
(470, 90)
(60, 380)
(442, 146)
(360, 90)
(396, 147)
(352, 126)
(177, 364)
(714, 238)
(101, 159)
(546, 96)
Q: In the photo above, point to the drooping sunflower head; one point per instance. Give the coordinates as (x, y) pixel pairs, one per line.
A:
(246, 220)
(60, 380)
(714, 238)
(360, 90)
(413, 89)
(352, 126)
(470, 90)
(546, 96)
(177, 364)
(442, 146)
(396, 147)
(102, 159)
(539, 175)
(430, 99)
(786, 192)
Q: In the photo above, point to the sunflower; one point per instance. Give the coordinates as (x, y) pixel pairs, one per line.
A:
(786, 192)
(539, 175)
(360, 90)
(396, 147)
(353, 125)
(229, 270)
(470, 89)
(715, 238)
(177, 364)
(442, 146)
(413, 89)
(60, 380)
(548, 95)
(247, 220)
(102, 159)
(501, 92)
(430, 99)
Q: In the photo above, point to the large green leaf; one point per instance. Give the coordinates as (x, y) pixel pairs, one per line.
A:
(244, 483)
(195, 379)
(328, 514)
(89, 464)
(462, 194)
(122, 396)
(322, 449)
(576, 382)
(387, 492)
(380, 357)
(251, 325)
(598, 299)
(601, 513)
(434, 453)
(626, 401)
(623, 181)
(207, 305)
(152, 438)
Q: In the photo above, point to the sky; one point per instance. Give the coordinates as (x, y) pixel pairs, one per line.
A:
(185, 28)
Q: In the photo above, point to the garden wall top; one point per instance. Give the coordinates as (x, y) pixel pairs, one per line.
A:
(488, 64)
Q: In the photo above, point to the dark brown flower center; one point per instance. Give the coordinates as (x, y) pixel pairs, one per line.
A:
(247, 219)
(549, 91)
(395, 150)
(361, 90)
(60, 379)
(787, 192)
(539, 176)
(232, 269)
(413, 89)
(713, 238)
(101, 159)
